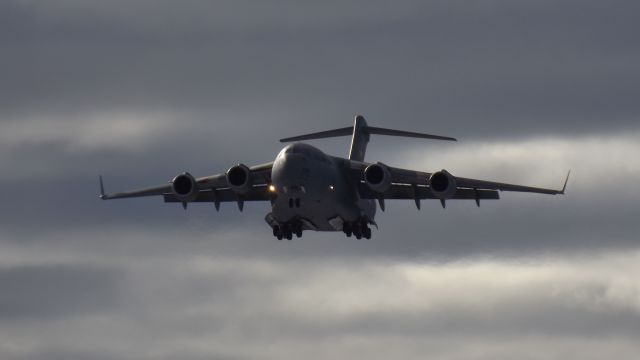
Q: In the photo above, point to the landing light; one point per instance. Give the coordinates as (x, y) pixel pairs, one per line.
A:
(272, 188)
(330, 187)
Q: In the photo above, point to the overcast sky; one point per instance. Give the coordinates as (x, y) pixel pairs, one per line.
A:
(139, 91)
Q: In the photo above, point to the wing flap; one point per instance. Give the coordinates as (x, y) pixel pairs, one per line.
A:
(398, 175)
(408, 192)
(257, 193)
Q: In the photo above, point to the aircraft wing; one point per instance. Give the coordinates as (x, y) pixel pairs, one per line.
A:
(411, 184)
(482, 184)
(212, 188)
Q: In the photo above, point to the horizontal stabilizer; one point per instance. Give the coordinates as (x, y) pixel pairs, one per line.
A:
(347, 131)
(368, 130)
(360, 134)
(391, 132)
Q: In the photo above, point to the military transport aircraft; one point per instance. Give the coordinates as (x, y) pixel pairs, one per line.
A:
(310, 190)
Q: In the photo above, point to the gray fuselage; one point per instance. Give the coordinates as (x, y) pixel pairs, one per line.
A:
(313, 186)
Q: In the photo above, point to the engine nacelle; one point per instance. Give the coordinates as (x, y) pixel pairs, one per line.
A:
(442, 184)
(377, 177)
(184, 187)
(239, 179)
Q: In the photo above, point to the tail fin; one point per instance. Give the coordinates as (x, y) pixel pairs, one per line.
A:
(360, 133)
(359, 140)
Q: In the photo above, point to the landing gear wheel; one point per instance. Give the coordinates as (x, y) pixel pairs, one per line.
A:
(288, 234)
(296, 228)
(366, 232)
(347, 228)
(357, 231)
(277, 232)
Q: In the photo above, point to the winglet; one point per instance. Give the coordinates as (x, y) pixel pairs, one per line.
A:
(102, 196)
(564, 187)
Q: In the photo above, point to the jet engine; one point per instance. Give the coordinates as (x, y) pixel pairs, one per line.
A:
(239, 179)
(377, 177)
(184, 187)
(442, 184)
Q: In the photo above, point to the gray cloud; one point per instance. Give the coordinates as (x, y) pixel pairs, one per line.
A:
(211, 306)
(140, 91)
(54, 291)
(517, 68)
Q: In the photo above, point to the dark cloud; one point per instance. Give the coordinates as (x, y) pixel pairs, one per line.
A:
(140, 91)
(486, 69)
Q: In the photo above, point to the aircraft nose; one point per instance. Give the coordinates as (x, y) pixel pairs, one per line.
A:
(291, 172)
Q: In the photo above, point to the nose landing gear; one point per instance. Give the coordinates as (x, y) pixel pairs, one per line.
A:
(287, 230)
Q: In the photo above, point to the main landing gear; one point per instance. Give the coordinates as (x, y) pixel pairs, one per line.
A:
(359, 229)
(286, 231)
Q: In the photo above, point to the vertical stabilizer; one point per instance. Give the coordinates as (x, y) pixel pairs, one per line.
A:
(359, 140)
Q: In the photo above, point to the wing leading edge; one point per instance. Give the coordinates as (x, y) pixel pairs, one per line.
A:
(212, 188)
(490, 185)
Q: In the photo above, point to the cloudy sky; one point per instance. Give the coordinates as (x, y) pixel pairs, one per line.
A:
(140, 90)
